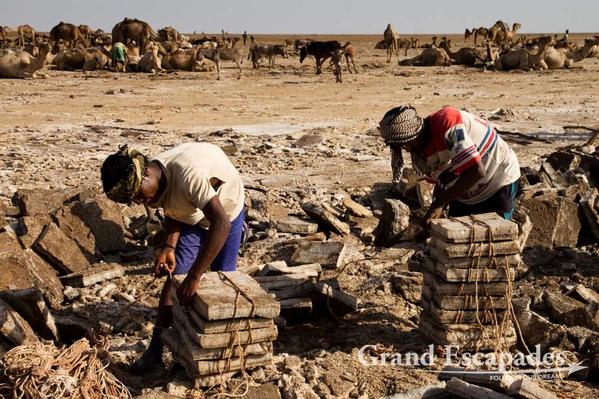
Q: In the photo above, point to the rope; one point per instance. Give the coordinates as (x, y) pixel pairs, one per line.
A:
(42, 371)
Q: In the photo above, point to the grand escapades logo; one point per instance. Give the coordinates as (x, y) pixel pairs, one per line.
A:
(535, 361)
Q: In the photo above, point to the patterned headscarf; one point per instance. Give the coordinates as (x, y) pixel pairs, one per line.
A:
(400, 125)
(122, 174)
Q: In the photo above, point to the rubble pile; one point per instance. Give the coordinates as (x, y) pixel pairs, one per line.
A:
(467, 282)
(228, 327)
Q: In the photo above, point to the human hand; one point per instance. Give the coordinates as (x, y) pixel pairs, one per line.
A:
(165, 262)
(187, 289)
(434, 212)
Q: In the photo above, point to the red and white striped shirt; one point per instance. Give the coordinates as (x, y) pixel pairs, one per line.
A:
(459, 140)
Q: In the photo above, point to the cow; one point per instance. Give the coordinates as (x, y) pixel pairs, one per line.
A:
(269, 51)
(320, 50)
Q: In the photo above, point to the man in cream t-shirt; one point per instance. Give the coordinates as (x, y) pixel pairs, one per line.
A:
(202, 195)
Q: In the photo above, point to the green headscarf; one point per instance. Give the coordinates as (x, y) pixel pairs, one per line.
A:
(127, 186)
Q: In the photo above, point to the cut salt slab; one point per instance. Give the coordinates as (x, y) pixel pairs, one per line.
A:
(475, 228)
(466, 336)
(464, 302)
(325, 253)
(441, 287)
(455, 250)
(481, 274)
(296, 225)
(60, 250)
(443, 316)
(217, 297)
(96, 273)
(494, 262)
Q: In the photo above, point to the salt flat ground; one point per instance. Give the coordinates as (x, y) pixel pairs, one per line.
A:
(55, 132)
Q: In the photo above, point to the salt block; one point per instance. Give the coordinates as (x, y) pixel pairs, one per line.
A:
(13, 327)
(441, 287)
(105, 221)
(297, 304)
(464, 302)
(324, 216)
(94, 274)
(325, 253)
(493, 262)
(295, 225)
(208, 367)
(230, 325)
(30, 304)
(218, 297)
(481, 274)
(74, 227)
(455, 250)
(462, 389)
(280, 267)
(355, 208)
(443, 316)
(283, 281)
(526, 388)
(194, 352)
(466, 336)
(62, 252)
(33, 202)
(475, 228)
(29, 228)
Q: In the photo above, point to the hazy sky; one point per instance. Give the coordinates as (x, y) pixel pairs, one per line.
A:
(309, 16)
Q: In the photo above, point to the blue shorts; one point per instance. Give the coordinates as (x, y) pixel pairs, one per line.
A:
(192, 238)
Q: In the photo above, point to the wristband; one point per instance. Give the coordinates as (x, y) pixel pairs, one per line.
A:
(165, 245)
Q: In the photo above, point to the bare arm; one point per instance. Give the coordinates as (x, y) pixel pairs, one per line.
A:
(215, 239)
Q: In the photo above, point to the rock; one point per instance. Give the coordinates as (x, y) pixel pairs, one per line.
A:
(295, 225)
(105, 221)
(409, 285)
(538, 330)
(62, 252)
(563, 161)
(555, 222)
(30, 304)
(424, 191)
(30, 228)
(94, 274)
(71, 293)
(22, 269)
(584, 294)
(264, 391)
(106, 291)
(325, 217)
(13, 327)
(311, 371)
(74, 227)
(124, 297)
(566, 310)
(38, 202)
(292, 362)
(355, 208)
(327, 253)
(528, 389)
(394, 220)
(339, 387)
(309, 140)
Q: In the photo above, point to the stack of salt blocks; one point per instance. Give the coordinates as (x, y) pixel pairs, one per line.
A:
(468, 272)
(222, 331)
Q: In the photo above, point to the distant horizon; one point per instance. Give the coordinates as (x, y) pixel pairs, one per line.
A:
(332, 17)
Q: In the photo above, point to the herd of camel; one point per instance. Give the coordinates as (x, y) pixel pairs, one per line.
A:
(23, 51)
(501, 48)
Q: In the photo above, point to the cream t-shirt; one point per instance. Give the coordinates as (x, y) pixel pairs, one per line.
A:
(188, 169)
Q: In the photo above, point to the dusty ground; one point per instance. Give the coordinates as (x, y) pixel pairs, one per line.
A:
(55, 132)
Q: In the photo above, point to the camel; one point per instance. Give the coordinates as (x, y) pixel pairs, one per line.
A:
(523, 59)
(405, 44)
(25, 31)
(150, 62)
(8, 34)
(19, 64)
(183, 60)
(69, 59)
(465, 56)
(565, 58)
(433, 43)
(432, 56)
(96, 58)
(168, 33)
(480, 32)
(69, 33)
(134, 30)
(86, 31)
(502, 37)
(467, 34)
(390, 37)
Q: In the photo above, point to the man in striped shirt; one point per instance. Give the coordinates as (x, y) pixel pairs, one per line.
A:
(473, 169)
